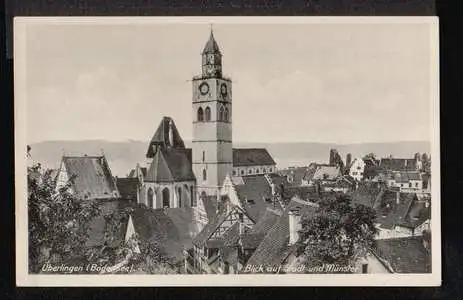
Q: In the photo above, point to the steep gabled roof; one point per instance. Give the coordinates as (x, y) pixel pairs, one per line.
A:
(390, 213)
(92, 177)
(202, 238)
(169, 230)
(161, 137)
(406, 176)
(252, 157)
(255, 194)
(296, 174)
(366, 194)
(251, 240)
(398, 164)
(274, 247)
(170, 165)
(128, 187)
(405, 255)
(268, 219)
(327, 173)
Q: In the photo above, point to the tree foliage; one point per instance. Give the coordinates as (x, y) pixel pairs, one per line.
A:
(60, 225)
(370, 156)
(335, 159)
(58, 221)
(339, 233)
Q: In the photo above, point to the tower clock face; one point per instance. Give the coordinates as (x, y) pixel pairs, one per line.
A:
(204, 88)
(223, 89)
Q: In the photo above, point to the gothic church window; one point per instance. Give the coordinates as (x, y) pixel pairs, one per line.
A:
(165, 198)
(225, 116)
(207, 114)
(179, 197)
(193, 197)
(200, 115)
(150, 198)
(221, 114)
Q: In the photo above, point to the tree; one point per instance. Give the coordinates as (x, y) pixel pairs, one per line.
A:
(58, 221)
(59, 227)
(335, 159)
(339, 233)
(370, 156)
(143, 256)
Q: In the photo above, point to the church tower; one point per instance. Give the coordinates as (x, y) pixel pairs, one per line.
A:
(212, 122)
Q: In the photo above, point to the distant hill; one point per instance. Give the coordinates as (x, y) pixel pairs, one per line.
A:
(123, 156)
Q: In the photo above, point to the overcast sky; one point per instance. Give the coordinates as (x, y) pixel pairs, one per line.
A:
(342, 83)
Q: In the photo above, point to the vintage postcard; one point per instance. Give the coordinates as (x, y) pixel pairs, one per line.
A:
(244, 151)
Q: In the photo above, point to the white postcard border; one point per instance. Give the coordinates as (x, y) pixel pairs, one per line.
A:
(23, 278)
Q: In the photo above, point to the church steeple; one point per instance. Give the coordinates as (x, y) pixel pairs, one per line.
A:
(212, 58)
(212, 149)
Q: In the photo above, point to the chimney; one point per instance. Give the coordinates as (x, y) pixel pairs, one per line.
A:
(397, 197)
(294, 225)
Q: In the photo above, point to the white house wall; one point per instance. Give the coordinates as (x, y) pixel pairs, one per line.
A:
(357, 169)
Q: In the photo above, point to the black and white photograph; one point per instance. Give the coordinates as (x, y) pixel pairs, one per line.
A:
(276, 151)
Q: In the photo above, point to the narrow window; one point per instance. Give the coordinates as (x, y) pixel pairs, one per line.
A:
(221, 114)
(208, 114)
(179, 197)
(200, 115)
(165, 198)
(204, 175)
(204, 156)
(250, 171)
(234, 172)
(242, 172)
(193, 197)
(225, 116)
(150, 198)
(270, 170)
